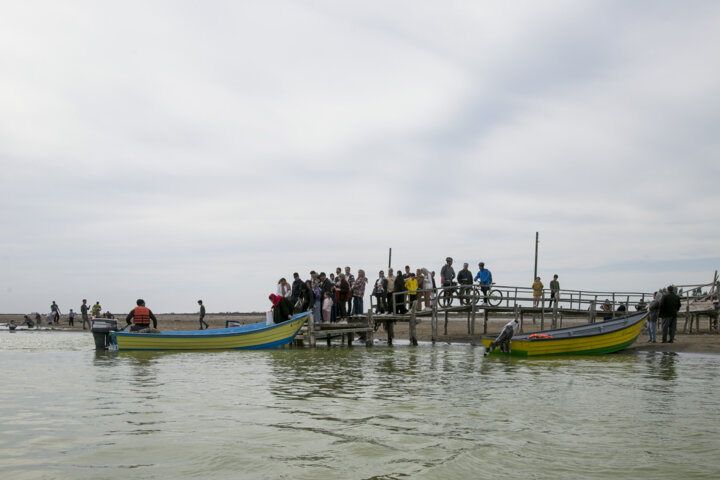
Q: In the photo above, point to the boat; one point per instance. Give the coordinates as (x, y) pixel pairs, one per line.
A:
(591, 339)
(252, 336)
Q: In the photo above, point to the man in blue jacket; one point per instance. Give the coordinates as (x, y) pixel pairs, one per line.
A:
(485, 278)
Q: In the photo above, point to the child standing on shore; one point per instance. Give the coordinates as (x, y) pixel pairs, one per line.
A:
(327, 307)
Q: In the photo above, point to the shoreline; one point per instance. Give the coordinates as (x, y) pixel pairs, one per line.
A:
(703, 342)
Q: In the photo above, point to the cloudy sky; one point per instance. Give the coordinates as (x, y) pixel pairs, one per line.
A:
(176, 150)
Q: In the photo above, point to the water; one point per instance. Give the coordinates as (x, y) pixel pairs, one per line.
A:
(428, 412)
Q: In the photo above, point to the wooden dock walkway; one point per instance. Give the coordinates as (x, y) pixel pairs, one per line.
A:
(513, 302)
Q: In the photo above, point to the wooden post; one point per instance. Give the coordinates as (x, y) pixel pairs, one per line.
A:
(591, 312)
(390, 327)
(522, 318)
(485, 320)
(446, 321)
(687, 311)
(613, 306)
(434, 322)
(311, 331)
(370, 337)
(413, 336)
(554, 314)
(473, 310)
(468, 322)
(518, 317)
(542, 311)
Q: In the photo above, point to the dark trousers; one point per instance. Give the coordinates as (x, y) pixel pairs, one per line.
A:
(86, 319)
(484, 290)
(380, 302)
(669, 326)
(202, 321)
(342, 312)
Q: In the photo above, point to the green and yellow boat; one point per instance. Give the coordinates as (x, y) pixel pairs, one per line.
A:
(591, 339)
(253, 336)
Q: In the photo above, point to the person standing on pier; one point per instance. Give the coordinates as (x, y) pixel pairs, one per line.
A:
(351, 281)
(201, 319)
(411, 285)
(342, 295)
(380, 293)
(537, 287)
(554, 289)
(465, 278)
(358, 292)
(390, 291)
(295, 288)
(447, 274)
(669, 307)
(282, 309)
(484, 276)
(398, 295)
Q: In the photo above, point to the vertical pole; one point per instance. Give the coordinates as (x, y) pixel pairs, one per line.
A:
(518, 317)
(446, 321)
(369, 339)
(413, 336)
(389, 258)
(613, 306)
(485, 320)
(555, 314)
(542, 312)
(473, 309)
(311, 331)
(434, 322)
(537, 240)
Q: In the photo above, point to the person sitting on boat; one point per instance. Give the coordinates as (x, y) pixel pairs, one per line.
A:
(282, 308)
(140, 317)
(503, 340)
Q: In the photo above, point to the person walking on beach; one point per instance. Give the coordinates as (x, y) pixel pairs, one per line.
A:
(55, 311)
(537, 287)
(71, 318)
(653, 313)
(554, 289)
(140, 317)
(84, 312)
(669, 307)
(201, 319)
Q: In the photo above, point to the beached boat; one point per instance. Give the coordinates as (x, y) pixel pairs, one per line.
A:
(592, 339)
(253, 336)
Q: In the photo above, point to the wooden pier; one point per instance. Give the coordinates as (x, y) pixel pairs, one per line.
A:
(510, 302)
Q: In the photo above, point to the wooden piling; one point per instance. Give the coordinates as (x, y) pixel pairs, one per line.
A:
(413, 336)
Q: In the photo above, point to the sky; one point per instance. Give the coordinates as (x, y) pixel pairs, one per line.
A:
(178, 150)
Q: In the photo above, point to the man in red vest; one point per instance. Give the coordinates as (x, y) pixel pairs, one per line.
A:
(141, 316)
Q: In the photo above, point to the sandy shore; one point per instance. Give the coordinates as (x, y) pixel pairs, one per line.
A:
(457, 331)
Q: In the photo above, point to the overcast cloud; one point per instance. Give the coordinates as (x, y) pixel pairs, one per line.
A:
(178, 150)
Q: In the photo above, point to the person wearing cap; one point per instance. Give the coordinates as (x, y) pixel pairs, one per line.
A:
(669, 307)
(140, 317)
(484, 276)
(447, 273)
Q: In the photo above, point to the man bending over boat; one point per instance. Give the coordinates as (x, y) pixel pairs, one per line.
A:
(503, 340)
(140, 317)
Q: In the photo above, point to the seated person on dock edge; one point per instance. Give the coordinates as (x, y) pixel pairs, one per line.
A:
(141, 316)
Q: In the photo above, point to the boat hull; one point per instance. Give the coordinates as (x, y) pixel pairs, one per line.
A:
(591, 339)
(254, 336)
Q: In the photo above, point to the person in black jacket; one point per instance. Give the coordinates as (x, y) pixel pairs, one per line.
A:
(399, 299)
(669, 307)
(282, 308)
(465, 277)
(380, 292)
(307, 295)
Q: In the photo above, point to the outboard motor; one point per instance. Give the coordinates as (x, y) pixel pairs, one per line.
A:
(101, 328)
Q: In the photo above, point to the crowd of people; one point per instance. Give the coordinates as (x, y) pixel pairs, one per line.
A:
(340, 295)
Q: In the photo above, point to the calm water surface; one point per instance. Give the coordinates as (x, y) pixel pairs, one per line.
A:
(427, 412)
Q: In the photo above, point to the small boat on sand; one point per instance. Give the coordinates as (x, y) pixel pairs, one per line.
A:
(591, 339)
(253, 336)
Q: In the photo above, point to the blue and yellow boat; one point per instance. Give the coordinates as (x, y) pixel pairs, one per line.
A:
(591, 339)
(253, 336)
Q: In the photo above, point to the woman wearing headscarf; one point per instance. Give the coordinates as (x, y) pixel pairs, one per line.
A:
(282, 308)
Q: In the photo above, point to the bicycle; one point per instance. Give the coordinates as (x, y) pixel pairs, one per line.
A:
(465, 293)
(493, 297)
